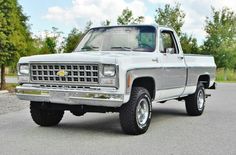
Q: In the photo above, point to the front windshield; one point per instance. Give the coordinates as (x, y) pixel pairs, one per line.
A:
(126, 38)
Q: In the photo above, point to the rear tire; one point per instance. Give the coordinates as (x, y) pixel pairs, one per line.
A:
(195, 103)
(44, 116)
(135, 116)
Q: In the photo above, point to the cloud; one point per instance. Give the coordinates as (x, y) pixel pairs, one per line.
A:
(59, 14)
(196, 12)
(149, 20)
(94, 10)
(97, 11)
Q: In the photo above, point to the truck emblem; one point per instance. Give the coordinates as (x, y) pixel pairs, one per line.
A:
(62, 73)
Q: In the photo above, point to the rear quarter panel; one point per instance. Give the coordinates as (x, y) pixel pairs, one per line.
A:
(199, 65)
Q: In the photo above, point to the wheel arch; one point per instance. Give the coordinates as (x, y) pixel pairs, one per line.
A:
(146, 82)
(205, 79)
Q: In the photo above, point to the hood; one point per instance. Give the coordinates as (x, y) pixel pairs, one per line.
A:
(109, 57)
(97, 57)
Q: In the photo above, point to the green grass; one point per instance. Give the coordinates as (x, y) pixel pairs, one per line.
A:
(11, 87)
(225, 76)
(11, 74)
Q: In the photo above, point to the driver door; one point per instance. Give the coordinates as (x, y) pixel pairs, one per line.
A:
(174, 68)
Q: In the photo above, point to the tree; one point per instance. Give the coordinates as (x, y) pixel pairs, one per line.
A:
(171, 16)
(106, 22)
(14, 34)
(88, 26)
(49, 45)
(127, 18)
(189, 44)
(75, 36)
(72, 40)
(174, 17)
(221, 37)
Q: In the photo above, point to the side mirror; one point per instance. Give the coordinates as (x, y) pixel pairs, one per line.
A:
(170, 50)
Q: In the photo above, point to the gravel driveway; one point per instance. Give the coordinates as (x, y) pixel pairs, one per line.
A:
(10, 103)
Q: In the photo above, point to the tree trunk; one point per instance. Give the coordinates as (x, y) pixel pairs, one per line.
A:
(3, 80)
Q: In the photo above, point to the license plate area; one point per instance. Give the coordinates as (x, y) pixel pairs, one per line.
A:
(59, 97)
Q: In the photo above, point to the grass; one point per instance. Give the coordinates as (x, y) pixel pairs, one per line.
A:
(225, 76)
(11, 87)
(11, 74)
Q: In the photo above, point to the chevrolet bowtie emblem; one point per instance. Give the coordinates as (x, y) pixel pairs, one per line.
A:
(62, 73)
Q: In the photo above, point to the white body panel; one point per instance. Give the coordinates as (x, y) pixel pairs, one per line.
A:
(174, 75)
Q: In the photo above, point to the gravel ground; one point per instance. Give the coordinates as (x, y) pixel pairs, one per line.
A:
(10, 103)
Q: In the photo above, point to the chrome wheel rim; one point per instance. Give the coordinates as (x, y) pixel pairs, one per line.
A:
(142, 112)
(200, 100)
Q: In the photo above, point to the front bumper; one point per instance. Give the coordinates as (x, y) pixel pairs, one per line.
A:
(84, 96)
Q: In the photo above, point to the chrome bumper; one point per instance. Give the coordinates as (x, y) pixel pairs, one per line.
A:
(108, 98)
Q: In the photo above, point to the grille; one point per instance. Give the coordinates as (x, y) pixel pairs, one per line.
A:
(72, 73)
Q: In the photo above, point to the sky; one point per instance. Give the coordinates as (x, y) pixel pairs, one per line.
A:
(67, 14)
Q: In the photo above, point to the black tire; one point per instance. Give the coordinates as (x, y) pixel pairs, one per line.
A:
(43, 116)
(194, 106)
(77, 113)
(128, 112)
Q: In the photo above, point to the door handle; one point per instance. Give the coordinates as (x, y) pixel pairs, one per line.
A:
(155, 60)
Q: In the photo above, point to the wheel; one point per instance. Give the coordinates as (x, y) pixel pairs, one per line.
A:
(195, 103)
(77, 113)
(43, 116)
(135, 116)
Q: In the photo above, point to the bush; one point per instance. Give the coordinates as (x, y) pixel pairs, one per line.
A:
(228, 75)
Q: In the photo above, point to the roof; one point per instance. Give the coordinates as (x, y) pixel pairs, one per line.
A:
(154, 25)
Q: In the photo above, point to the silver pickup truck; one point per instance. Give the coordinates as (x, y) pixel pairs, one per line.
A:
(116, 69)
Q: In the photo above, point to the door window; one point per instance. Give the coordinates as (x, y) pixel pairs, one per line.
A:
(167, 43)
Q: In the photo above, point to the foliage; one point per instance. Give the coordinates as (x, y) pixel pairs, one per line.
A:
(221, 37)
(72, 40)
(189, 44)
(88, 25)
(17, 41)
(106, 23)
(74, 37)
(225, 75)
(171, 16)
(174, 17)
(11, 87)
(49, 46)
(127, 18)
(14, 34)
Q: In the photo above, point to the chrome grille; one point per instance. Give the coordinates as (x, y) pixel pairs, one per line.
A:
(74, 73)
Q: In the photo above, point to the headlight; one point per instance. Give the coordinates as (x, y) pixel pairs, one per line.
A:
(24, 69)
(109, 70)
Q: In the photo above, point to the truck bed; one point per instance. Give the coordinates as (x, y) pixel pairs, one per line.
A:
(199, 65)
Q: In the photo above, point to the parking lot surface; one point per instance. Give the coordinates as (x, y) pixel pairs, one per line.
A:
(171, 131)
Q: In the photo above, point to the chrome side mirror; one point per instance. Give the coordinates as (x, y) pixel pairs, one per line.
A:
(170, 50)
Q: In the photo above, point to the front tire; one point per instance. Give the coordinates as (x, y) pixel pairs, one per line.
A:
(44, 116)
(135, 116)
(195, 103)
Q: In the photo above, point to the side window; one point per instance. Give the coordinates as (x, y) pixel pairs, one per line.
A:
(167, 43)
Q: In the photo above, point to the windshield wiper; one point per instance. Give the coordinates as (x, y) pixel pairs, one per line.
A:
(89, 48)
(122, 48)
(143, 49)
